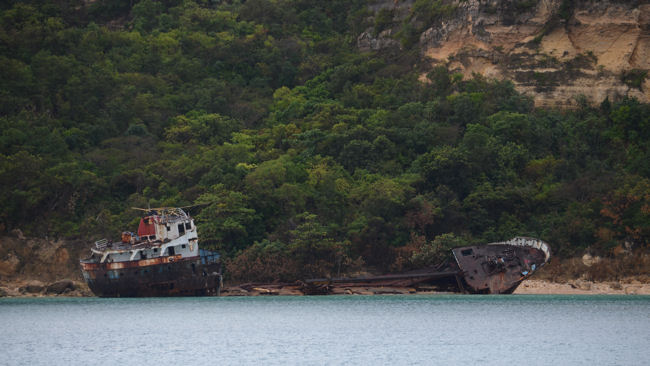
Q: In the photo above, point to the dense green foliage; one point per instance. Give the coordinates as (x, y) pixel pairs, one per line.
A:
(309, 157)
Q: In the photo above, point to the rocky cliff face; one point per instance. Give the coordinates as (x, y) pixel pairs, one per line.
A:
(28, 265)
(553, 50)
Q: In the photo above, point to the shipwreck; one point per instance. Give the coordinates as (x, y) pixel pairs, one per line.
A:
(494, 268)
(162, 259)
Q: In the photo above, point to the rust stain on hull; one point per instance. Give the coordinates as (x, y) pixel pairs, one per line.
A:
(134, 264)
(187, 277)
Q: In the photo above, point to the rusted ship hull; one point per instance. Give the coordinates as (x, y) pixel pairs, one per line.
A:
(186, 277)
(495, 268)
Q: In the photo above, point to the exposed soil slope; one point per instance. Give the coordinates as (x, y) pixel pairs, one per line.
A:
(553, 50)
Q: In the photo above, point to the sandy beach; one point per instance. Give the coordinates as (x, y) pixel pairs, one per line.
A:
(582, 287)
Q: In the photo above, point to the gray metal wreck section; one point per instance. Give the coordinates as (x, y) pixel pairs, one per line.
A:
(494, 268)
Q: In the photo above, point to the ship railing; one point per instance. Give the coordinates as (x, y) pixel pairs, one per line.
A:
(521, 241)
(142, 244)
(101, 244)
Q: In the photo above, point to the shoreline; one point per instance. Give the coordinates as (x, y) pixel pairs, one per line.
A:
(528, 287)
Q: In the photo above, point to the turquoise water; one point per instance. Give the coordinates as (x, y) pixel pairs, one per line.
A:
(354, 330)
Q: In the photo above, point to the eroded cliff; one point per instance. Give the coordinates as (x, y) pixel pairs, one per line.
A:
(36, 266)
(554, 50)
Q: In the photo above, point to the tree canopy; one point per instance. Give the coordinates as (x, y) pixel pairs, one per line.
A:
(306, 155)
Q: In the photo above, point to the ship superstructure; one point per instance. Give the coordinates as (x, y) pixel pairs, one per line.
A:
(162, 259)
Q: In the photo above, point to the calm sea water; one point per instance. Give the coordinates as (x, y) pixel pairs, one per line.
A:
(355, 330)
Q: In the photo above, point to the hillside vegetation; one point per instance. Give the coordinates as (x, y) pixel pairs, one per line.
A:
(305, 156)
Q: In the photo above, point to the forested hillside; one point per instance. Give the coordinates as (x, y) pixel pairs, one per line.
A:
(304, 155)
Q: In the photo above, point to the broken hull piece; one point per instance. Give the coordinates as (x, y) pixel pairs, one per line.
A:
(495, 268)
(162, 259)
